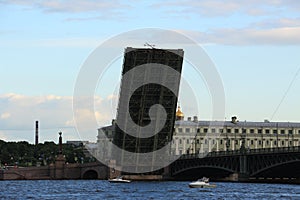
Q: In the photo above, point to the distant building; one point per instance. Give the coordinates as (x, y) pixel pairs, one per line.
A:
(105, 136)
(77, 143)
(193, 136)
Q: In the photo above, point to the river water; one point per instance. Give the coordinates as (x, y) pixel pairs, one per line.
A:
(99, 189)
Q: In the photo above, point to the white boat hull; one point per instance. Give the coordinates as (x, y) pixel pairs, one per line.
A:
(201, 186)
(119, 180)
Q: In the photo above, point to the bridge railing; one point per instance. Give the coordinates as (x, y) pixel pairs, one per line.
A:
(242, 152)
(275, 150)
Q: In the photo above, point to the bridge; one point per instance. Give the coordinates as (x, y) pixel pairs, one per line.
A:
(94, 170)
(272, 164)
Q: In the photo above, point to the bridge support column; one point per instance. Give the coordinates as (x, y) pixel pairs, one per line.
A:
(243, 173)
(166, 174)
(59, 167)
(243, 164)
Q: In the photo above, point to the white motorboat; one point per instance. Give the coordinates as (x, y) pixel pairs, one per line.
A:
(201, 183)
(119, 180)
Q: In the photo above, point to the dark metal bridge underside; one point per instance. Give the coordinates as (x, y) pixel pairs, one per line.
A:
(267, 163)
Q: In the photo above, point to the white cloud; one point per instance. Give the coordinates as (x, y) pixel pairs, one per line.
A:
(18, 114)
(74, 6)
(5, 115)
(94, 10)
(275, 36)
(217, 8)
(3, 135)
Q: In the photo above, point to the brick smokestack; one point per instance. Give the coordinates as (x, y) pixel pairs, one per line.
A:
(36, 132)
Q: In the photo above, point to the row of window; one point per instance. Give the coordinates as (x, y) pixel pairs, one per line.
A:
(282, 143)
(236, 130)
(236, 142)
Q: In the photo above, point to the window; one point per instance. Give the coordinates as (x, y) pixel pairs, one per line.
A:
(298, 131)
(259, 142)
(179, 130)
(267, 142)
(205, 141)
(205, 130)
(221, 141)
(251, 130)
(236, 141)
(180, 141)
(290, 131)
(259, 131)
(220, 130)
(198, 141)
(267, 131)
(275, 143)
(282, 131)
(187, 130)
(282, 143)
(213, 142)
(236, 130)
(228, 130)
(187, 141)
(291, 143)
(213, 130)
(198, 130)
(252, 142)
(274, 131)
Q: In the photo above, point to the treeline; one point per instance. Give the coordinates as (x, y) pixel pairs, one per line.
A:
(24, 154)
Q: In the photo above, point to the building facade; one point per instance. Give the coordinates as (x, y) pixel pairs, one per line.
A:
(193, 136)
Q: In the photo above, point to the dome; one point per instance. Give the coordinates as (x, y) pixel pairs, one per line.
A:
(179, 114)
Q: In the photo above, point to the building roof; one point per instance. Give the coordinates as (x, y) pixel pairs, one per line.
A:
(239, 124)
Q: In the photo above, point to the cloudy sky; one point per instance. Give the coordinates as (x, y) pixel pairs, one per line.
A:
(255, 46)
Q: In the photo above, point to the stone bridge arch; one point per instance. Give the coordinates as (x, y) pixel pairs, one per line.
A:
(93, 171)
(90, 174)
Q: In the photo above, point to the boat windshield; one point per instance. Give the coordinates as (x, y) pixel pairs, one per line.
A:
(204, 179)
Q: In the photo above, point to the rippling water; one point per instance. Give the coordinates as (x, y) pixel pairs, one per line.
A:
(98, 189)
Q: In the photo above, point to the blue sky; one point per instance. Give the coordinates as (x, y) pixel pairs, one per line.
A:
(255, 46)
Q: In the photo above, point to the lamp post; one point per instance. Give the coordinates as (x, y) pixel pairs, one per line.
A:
(243, 137)
(277, 135)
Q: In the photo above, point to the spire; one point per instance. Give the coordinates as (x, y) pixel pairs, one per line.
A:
(179, 114)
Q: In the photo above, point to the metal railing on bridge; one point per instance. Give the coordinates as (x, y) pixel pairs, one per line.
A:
(242, 152)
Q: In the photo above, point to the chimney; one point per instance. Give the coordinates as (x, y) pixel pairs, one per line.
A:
(195, 119)
(189, 119)
(36, 132)
(234, 119)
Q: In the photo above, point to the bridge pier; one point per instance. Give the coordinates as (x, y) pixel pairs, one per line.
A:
(243, 164)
